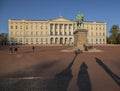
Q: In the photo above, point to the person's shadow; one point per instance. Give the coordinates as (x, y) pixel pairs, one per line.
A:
(110, 73)
(61, 80)
(83, 80)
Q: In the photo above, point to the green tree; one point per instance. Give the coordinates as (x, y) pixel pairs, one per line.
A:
(3, 39)
(114, 31)
(108, 40)
(118, 38)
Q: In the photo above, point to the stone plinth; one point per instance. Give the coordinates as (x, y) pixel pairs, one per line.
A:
(81, 42)
(80, 38)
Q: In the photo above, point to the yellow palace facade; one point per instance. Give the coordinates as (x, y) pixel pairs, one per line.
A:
(53, 32)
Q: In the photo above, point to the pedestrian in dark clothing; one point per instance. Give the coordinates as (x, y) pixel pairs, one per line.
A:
(33, 48)
(15, 50)
(79, 51)
(75, 52)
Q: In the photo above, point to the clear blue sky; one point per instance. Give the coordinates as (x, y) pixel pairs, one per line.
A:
(94, 10)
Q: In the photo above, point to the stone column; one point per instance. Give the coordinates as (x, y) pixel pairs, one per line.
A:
(67, 28)
(53, 29)
(71, 29)
(63, 29)
(58, 29)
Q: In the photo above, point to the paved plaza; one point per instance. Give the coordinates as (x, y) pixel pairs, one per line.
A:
(49, 69)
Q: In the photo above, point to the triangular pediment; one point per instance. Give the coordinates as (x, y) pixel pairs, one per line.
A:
(61, 19)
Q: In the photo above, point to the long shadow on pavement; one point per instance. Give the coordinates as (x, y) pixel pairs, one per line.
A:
(110, 73)
(59, 83)
(83, 80)
(34, 71)
(62, 79)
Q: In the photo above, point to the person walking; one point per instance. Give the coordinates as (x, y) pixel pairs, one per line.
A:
(33, 48)
(15, 50)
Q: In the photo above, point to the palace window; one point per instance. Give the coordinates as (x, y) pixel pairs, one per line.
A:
(51, 33)
(11, 27)
(60, 33)
(36, 33)
(103, 34)
(46, 40)
(36, 39)
(15, 27)
(20, 40)
(91, 28)
(46, 33)
(31, 33)
(41, 40)
(26, 39)
(65, 33)
(103, 40)
(96, 34)
(56, 33)
(96, 28)
(41, 27)
(26, 26)
(31, 39)
(100, 41)
(96, 41)
(20, 27)
(100, 34)
(41, 32)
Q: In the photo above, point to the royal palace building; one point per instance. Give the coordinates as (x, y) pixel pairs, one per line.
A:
(57, 31)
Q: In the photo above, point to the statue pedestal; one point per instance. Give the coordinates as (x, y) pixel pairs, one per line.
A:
(81, 42)
(80, 39)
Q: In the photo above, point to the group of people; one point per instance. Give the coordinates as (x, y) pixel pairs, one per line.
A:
(13, 50)
(78, 51)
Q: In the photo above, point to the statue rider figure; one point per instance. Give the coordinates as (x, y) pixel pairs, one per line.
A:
(79, 19)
